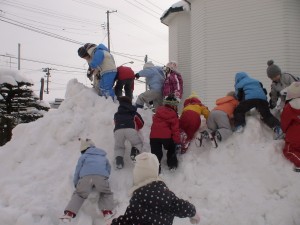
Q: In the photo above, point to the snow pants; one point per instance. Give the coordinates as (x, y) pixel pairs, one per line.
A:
(127, 84)
(157, 144)
(292, 152)
(262, 107)
(218, 120)
(85, 186)
(148, 96)
(106, 84)
(189, 122)
(130, 134)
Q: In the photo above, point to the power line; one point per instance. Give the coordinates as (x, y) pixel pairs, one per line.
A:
(37, 61)
(147, 7)
(154, 5)
(141, 8)
(53, 15)
(28, 27)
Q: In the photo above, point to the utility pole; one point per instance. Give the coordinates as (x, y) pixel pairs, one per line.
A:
(108, 32)
(47, 71)
(42, 89)
(19, 56)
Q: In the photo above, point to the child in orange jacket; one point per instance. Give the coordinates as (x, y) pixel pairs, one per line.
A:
(190, 120)
(218, 122)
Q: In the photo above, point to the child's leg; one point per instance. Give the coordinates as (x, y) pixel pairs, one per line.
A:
(170, 146)
(240, 111)
(267, 117)
(292, 153)
(134, 139)
(156, 148)
(223, 124)
(83, 189)
(106, 198)
(119, 146)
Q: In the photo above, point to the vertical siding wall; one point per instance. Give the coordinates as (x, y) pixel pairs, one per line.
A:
(241, 35)
(179, 47)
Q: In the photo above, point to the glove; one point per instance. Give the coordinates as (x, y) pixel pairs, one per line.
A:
(137, 76)
(271, 104)
(178, 148)
(195, 219)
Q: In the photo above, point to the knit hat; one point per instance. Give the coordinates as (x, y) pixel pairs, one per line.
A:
(82, 52)
(85, 144)
(273, 70)
(293, 91)
(146, 168)
(172, 65)
(171, 100)
(148, 65)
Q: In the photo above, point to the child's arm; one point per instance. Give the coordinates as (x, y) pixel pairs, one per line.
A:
(97, 59)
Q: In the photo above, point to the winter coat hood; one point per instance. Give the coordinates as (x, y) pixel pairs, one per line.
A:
(295, 103)
(102, 47)
(95, 151)
(239, 76)
(125, 107)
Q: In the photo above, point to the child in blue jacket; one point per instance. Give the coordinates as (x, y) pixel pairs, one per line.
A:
(92, 173)
(251, 94)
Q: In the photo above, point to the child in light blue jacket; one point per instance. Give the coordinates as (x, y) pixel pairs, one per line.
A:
(91, 173)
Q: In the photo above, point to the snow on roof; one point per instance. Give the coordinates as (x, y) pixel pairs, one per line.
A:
(12, 77)
(177, 7)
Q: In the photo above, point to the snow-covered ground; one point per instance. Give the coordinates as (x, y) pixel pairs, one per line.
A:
(245, 181)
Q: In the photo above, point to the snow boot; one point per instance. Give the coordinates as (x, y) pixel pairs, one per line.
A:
(212, 138)
(278, 133)
(239, 129)
(296, 169)
(108, 214)
(68, 215)
(134, 152)
(172, 162)
(119, 162)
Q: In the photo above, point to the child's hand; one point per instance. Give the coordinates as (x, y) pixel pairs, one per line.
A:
(195, 219)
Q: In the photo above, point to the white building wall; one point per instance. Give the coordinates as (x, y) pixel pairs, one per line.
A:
(179, 47)
(241, 35)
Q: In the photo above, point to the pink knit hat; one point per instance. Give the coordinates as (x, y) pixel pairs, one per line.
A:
(293, 91)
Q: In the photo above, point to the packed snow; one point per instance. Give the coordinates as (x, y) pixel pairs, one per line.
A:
(245, 181)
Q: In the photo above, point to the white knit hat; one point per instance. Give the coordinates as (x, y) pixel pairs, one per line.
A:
(293, 91)
(146, 168)
(85, 144)
(172, 65)
(148, 65)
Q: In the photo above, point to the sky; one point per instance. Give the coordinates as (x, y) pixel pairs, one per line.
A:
(135, 31)
(245, 181)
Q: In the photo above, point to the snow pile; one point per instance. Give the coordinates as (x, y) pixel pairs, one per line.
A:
(245, 181)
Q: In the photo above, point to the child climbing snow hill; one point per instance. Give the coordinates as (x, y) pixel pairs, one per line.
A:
(173, 84)
(218, 121)
(190, 120)
(152, 202)
(92, 173)
(165, 132)
(127, 124)
(290, 123)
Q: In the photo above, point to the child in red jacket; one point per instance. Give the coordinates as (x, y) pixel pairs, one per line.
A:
(290, 124)
(165, 132)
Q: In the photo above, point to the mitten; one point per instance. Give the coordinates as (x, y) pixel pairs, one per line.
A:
(137, 76)
(195, 219)
(271, 104)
